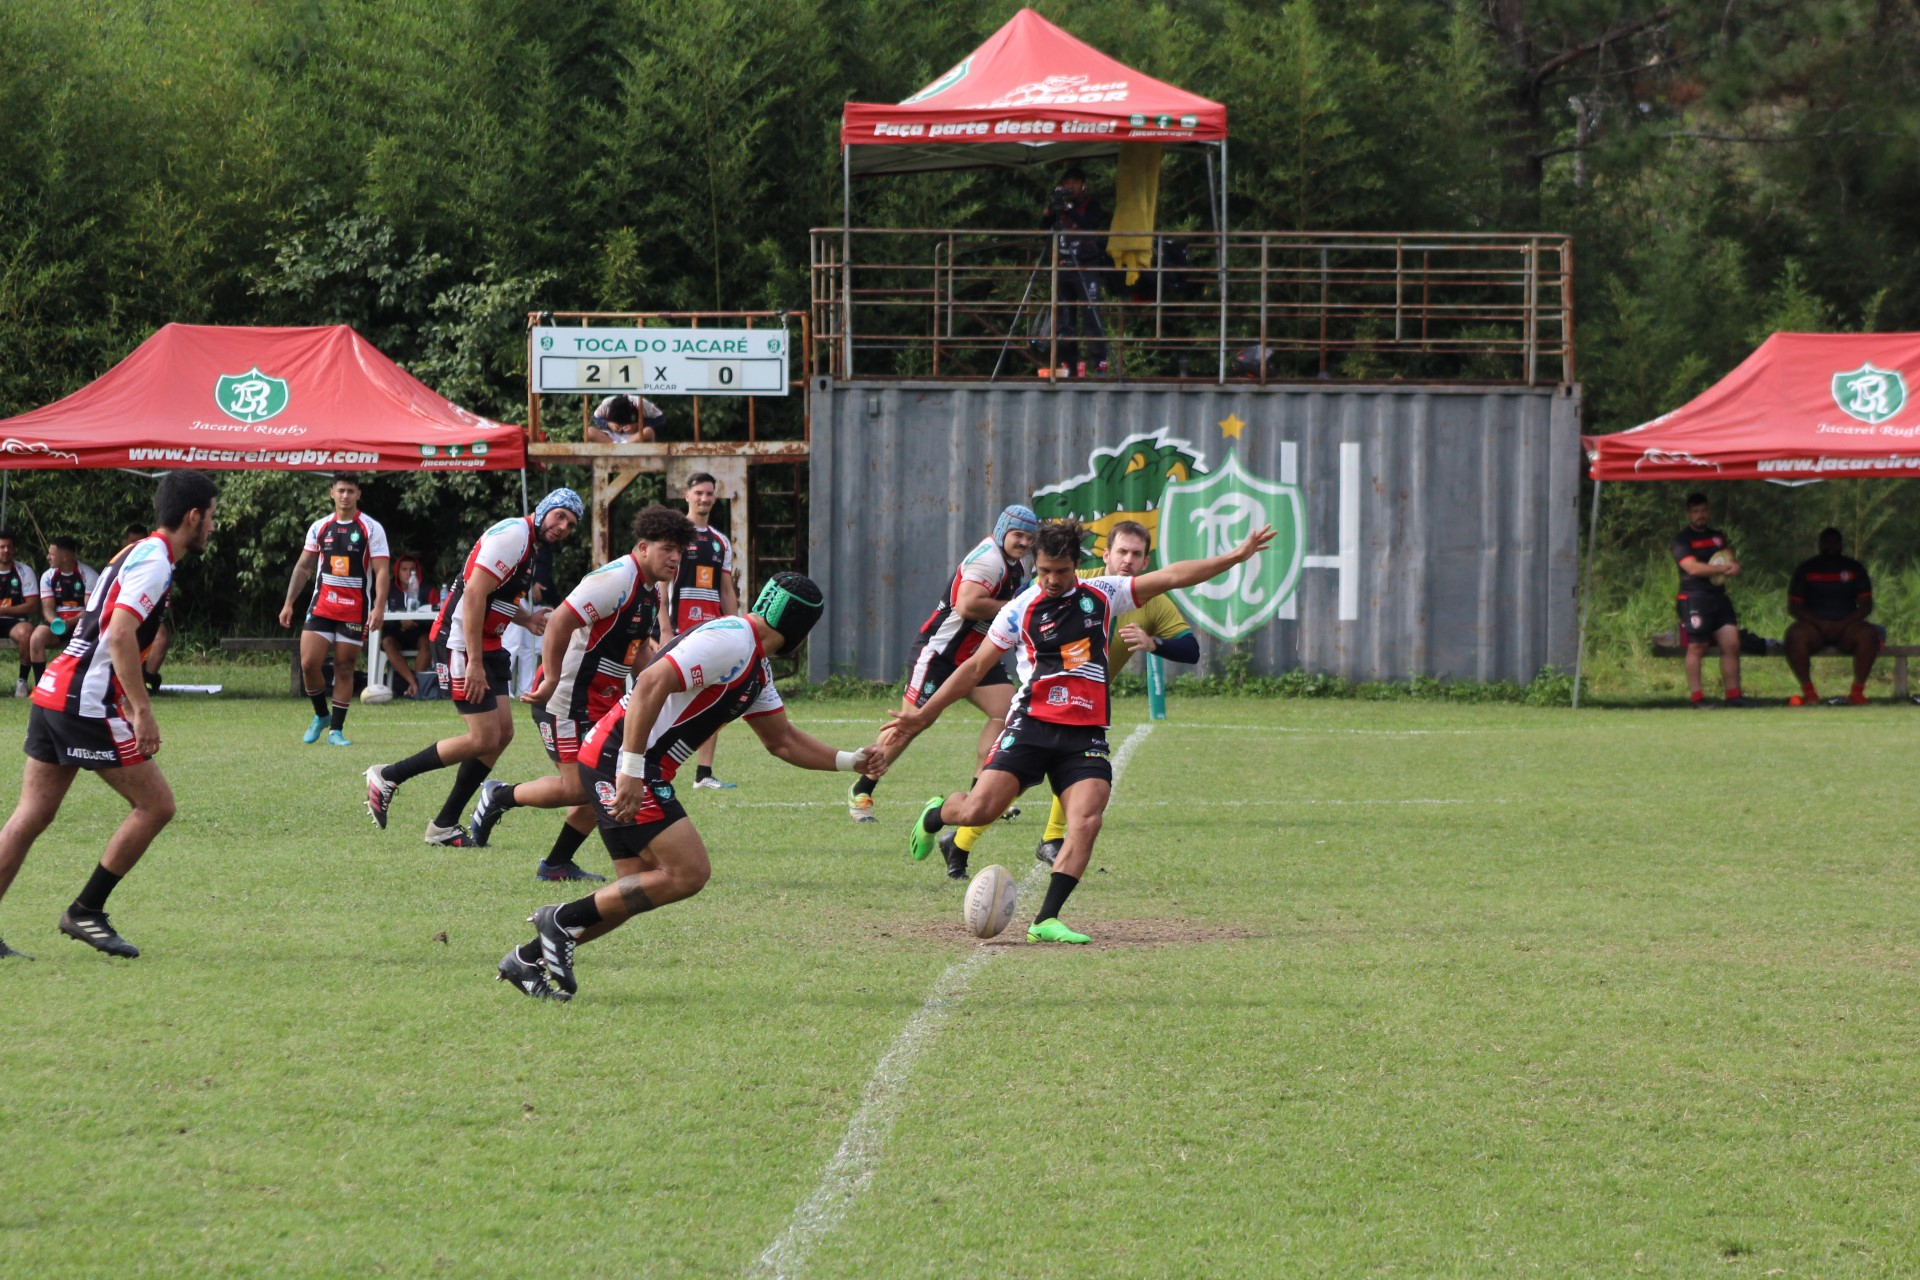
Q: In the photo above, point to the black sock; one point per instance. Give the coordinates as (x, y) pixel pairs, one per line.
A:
(39, 669)
(864, 785)
(565, 845)
(339, 715)
(94, 896)
(414, 765)
(701, 772)
(504, 799)
(465, 783)
(23, 667)
(578, 914)
(318, 697)
(1059, 885)
(931, 822)
(153, 682)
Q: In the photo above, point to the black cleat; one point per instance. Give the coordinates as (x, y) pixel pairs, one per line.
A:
(1047, 850)
(94, 929)
(379, 794)
(486, 813)
(1013, 811)
(956, 856)
(6, 951)
(529, 977)
(556, 948)
(1742, 701)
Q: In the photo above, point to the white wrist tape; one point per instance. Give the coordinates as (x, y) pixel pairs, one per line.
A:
(633, 764)
(843, 760)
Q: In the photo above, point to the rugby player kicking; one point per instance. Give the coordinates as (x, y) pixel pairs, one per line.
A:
(1057, 728)
(479, 609)
(346, 547)
(699, 681)
(91, 711)
(603, 630)
(990, 575)
(1156, 627)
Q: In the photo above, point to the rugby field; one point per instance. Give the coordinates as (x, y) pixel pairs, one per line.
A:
(1376, 988)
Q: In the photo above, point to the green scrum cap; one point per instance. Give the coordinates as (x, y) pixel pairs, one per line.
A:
(790, 603)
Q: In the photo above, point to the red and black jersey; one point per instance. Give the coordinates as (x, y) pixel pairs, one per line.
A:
(81, 681)
(18, 584)
(693, 597)
(724, 675)
(1831, 587)
(1701, 544)
(68, 591)
(619, 613)
(343, 582)
(1060, 647)
(506, 551)
(951, 636)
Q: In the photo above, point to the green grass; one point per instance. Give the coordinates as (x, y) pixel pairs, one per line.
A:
(1447, 990)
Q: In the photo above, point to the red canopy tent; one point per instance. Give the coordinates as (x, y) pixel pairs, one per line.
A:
(1803, 407)
(226, 399)
(1032, 94)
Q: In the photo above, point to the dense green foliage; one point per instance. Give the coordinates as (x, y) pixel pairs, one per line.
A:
(430, 171)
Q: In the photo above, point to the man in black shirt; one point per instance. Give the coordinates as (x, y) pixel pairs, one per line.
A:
(1074, 213)
(1706, 614)
(1830, 597)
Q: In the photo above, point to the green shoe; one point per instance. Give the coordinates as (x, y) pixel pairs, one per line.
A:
(923, 839)
(1053, 931)
(314, 730)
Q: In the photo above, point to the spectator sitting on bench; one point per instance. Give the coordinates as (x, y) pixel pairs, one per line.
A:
(1706, 614)
(409, 594)
(1830, 597)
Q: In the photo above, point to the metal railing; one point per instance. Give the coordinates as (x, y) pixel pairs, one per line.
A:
(1253, 306)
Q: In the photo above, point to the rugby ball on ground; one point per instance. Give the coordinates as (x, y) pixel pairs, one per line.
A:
(1719, 557)
(375, 694)
(988, 906)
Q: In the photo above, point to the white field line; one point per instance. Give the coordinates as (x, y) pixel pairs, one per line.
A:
(852, 1166)
(1262, 803)
(1265, 728)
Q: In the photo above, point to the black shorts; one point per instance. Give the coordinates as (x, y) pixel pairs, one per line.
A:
(336, 631)
(626, 839)
(929, 670)
(1062, 754)
(1703, 614)
(55, 737)
(559, 735)
(451, 666)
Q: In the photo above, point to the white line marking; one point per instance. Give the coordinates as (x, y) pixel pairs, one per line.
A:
(852, 1166)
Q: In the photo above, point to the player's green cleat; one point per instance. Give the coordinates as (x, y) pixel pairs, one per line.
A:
(1053, 931)
(923, 839)
(314, 730)
(335, 738)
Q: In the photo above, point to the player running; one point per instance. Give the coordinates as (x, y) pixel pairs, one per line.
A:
(1057, 728)
(64, 588)
(346, 546)
(990, 575)
(602, 631)
(76, 719)
(700, 680)
(1156, 627)
(479, 608)
(702, 591)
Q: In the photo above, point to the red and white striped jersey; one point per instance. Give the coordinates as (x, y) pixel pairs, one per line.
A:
(945, 631)
(81, 681)
(619, 612)
(1060, 645)
(506, 552)
(343, 582)
(724, 676)
(694, 595)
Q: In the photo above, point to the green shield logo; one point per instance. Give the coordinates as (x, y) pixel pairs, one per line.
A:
(1870, 394)
(251, 396)
(1209, 516)
(952, 77)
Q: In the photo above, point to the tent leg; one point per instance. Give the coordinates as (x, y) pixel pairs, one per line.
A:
(1221, 222)
(1586, 595)
(846, 261)
(524, 508)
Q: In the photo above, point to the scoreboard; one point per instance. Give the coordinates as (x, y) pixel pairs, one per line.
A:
(582, 360)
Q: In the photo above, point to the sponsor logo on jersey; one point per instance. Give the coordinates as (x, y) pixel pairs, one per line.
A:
(1086, 604)
(81, 753)
(1057, 696)
(703, 575)
(604, 790)
(694, 676)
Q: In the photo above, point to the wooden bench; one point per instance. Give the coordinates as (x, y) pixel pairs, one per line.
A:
(1898, 652)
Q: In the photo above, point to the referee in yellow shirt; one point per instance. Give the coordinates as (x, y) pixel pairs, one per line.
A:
(1155, 627)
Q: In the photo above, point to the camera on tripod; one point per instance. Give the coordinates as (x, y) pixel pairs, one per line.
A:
(1061, 201)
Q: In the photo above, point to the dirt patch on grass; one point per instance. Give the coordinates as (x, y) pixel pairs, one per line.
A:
(1106, 935)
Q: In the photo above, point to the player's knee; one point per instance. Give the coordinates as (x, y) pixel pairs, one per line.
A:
(158, 810)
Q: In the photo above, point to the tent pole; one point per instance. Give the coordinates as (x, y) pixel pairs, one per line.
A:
(1220, 221)
(6, 480)
(846, 261)
(1586, 594)
(524, 509)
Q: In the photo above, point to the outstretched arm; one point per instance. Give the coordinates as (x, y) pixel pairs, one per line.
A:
(1187, 573)
(910, 722)
(804, 751)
